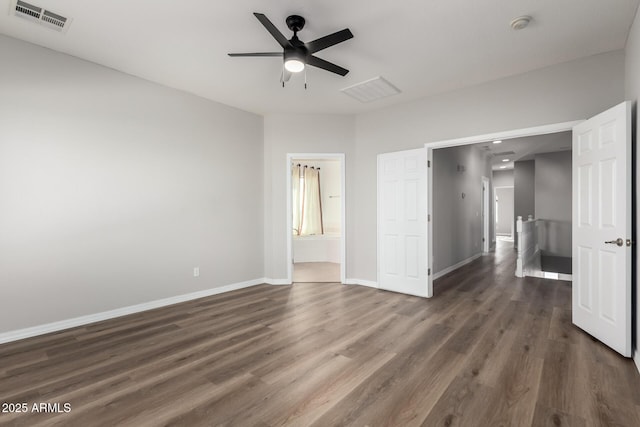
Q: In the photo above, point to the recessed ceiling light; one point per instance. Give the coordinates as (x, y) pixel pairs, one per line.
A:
(498, 141)
(520, 22)
(503, 167)
(505, 160)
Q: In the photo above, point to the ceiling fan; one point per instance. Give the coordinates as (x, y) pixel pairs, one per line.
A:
(296, 54)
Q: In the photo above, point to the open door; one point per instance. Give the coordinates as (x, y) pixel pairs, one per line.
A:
(601, 293)
(402, 222)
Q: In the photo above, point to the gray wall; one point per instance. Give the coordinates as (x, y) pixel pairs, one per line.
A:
(524, 190)
(632, 91)
(503, 178)
(504, 223)
(114, 189)
(457, 221)
(553, 202)
(570, 91)
(288, 133)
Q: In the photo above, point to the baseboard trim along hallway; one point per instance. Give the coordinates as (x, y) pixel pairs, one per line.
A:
(456, 266)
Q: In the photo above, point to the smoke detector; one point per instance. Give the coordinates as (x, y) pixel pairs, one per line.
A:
(40, 15)
(520, 22)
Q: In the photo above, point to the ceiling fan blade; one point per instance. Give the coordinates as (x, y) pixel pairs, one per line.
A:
(328, 41)
(257, 54)
(280, 38)
(326, 65)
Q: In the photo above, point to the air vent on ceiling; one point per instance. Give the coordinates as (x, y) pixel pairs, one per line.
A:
(39, 15)
(371, 90)
(504, 153)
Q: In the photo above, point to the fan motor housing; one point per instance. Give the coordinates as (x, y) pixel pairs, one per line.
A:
(295, 23)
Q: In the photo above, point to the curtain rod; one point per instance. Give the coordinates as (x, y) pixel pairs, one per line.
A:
(306, 166)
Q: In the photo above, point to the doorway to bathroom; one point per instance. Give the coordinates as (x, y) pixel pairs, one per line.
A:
(315, 216)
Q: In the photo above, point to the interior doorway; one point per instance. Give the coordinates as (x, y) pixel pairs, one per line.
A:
(316, 217)
(504, 213)
(496, 138)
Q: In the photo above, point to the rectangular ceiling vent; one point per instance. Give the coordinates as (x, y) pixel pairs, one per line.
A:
(371, 90)
(39, 15)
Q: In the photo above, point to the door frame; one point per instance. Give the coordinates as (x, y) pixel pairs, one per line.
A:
(475, 139)
(343, 225)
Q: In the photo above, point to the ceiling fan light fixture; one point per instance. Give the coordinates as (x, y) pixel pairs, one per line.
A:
(294, 60)
(298, 54)
(294, 65)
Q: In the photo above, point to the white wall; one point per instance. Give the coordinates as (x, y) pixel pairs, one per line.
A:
(503, 178)
(504, 216)
(524, 182)
(457, 220)
(113, 188)
(553, 202)
(632, 92)
(301, 134)
(570, 91)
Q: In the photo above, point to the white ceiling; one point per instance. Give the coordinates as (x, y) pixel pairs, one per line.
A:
(518, 149)
(423, 47)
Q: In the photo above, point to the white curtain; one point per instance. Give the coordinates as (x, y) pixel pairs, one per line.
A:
(306, 201)
(312, 206)
(296, 199)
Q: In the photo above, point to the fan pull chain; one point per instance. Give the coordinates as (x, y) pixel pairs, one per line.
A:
(305, 78)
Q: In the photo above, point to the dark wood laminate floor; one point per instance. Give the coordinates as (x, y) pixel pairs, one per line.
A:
(488, 350)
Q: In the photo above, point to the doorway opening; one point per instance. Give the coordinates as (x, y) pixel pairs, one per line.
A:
(498, 160)
(531, 178)
(504, 217)
(316, 217)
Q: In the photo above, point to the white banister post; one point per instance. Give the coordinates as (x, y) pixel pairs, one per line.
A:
(519, 266)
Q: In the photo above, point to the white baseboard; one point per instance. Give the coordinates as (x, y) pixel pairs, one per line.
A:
(453, 267)
(362, 282)
(118, 312)
(270, 281)
(636, 358)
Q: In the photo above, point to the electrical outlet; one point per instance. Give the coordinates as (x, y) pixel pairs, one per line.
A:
(196, 271)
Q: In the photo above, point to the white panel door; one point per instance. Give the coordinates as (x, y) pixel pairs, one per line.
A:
(402, 222)
(601, 176)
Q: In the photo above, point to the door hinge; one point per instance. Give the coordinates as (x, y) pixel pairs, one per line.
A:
(428, 163)
(428, 272)
(483, 240)
(429, 218)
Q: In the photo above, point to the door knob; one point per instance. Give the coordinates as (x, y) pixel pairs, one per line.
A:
(618, 242)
